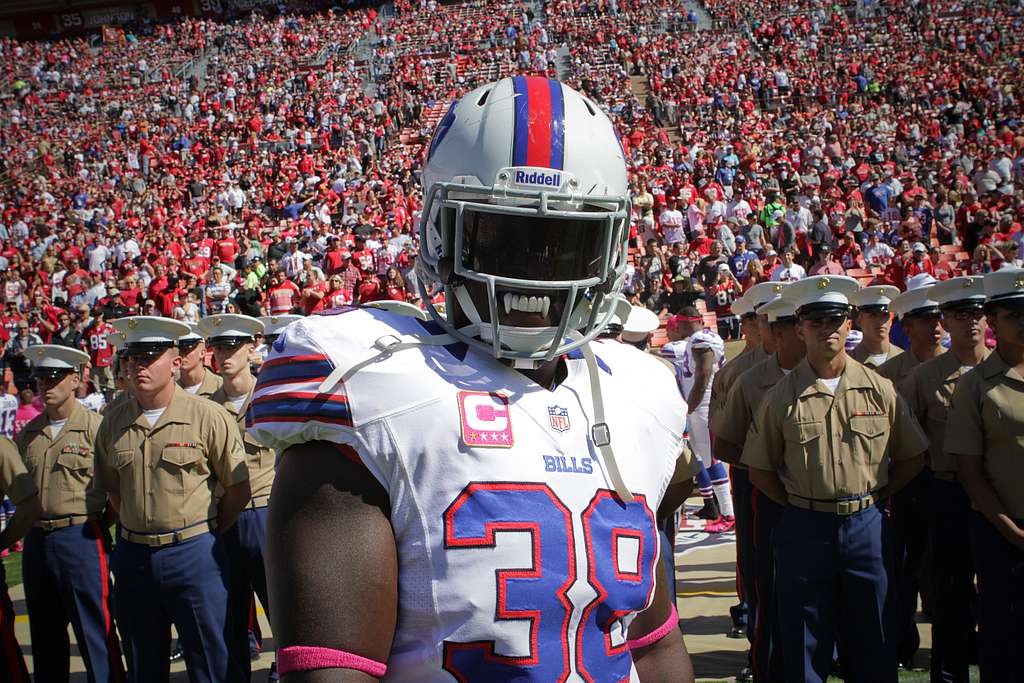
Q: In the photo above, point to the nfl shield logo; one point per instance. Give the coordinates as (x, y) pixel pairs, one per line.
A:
(559, 418)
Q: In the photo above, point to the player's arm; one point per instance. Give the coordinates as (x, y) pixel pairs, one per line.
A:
(679, 487)
(702, 361)
(332, 568)
(655, 641)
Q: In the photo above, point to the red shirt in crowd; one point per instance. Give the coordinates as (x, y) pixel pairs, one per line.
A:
(283, 297)
(95, 340)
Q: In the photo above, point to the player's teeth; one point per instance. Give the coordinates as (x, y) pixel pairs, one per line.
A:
(534, 304)
(545, 306)
(508, 302)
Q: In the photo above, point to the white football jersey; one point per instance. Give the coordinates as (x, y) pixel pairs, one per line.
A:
(681, 354)
(8, 413)
(517, 561)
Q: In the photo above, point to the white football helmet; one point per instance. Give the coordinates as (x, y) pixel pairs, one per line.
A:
(526, 206)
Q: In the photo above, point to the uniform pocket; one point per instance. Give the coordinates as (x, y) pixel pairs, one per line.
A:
(178, 466)
(76, 469)
(868, 438)
(805, 445)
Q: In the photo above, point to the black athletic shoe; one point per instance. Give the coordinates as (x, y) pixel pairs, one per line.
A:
(746, 675)
(710, 510)
(272, 676)
(176, 653)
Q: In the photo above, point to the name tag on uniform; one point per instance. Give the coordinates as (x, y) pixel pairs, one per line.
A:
(181, 444)
(76, 449)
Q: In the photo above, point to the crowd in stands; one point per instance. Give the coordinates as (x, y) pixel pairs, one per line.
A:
(270, 164)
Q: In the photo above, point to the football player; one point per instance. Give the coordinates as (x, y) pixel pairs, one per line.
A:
(699, 353)
(473, 498)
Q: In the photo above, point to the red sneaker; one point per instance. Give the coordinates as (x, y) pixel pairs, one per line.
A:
(720, 525)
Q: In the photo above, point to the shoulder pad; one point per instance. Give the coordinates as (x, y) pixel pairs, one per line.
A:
(648, 379)
(674, 350)
(706, 339)
(295, 401)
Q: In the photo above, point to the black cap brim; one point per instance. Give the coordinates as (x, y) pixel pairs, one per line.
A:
(963, 304)
(825, 309)
(147, 348)
(230, 341)
(1011, 303)
(927, 310)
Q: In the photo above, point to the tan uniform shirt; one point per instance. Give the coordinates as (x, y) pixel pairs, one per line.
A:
(166, 475)
(825, 447)
(62, 465)
(861, 355)
(210, 384)
(928, 391)
(722, 382)
(15, 481)
(986, 419)
(259, 459)
(732, 422)
(897, 369)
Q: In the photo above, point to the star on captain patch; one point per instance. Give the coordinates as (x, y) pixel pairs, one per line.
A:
(558, 418)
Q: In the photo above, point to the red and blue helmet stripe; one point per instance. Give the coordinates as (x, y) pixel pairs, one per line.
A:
(539, 138)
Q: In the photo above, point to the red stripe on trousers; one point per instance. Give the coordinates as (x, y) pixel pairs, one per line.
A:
(755, 663)
(11, 649)
(538, 125)
(113, 651)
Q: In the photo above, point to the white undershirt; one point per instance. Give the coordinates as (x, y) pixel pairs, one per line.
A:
(153, 416)
(194, 389)
(785, 371)
(832, 384)
(878, 358)
(237, 401)
(55, 426)
(966, 368)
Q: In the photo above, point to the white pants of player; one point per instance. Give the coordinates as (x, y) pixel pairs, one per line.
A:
(700, 443)
(700, 435)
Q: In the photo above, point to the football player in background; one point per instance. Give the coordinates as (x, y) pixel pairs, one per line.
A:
(698, 353)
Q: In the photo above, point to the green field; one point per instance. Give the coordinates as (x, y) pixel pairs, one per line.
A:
(12, 564)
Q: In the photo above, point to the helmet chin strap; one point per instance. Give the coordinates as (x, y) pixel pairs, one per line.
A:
(600, 433)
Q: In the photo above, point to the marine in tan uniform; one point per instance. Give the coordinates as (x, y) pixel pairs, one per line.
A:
(985, 431)
(829, 441)
(233, 339)
(730, 427)
(928, 391)
(874, 319)
(17, 484)
(66, 563)
(759, 347)
(163, 457)
(922, 321)
(194, 377)
(752, 354)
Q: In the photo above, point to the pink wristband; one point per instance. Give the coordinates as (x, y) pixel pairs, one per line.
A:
(658, 633)
(304, 658)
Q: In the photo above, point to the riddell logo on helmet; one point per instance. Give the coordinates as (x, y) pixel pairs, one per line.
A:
(539, 178)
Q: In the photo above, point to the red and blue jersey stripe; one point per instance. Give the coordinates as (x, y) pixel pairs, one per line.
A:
(539, 138)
